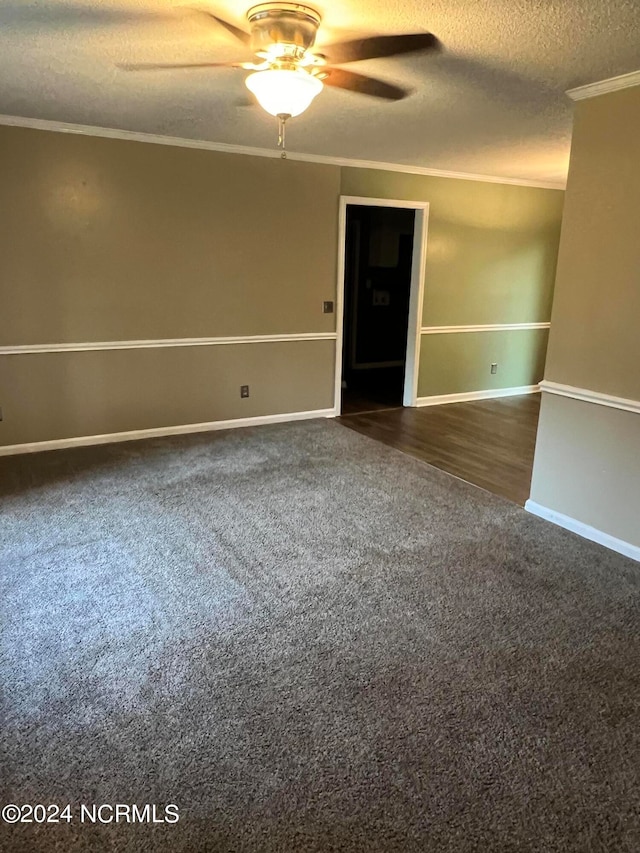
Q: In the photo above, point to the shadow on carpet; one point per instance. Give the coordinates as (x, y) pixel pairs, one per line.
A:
(308, 641)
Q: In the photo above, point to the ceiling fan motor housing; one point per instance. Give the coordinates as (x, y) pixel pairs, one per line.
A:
(284, 31)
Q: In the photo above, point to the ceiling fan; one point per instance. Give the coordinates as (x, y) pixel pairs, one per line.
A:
(287, 74)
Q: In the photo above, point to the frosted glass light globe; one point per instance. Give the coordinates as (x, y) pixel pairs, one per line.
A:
(284, 92)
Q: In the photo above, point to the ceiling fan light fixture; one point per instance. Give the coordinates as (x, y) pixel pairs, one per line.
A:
(282, 91)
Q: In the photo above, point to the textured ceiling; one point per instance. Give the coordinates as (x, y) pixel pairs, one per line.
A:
(492, 102)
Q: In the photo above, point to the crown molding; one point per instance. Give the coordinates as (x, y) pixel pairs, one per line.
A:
(612, 84)
(224, 148)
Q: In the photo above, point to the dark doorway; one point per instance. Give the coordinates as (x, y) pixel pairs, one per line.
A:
(378, 255)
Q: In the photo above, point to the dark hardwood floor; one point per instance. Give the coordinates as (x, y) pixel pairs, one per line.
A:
(360, 403)
(488, 442)
(373, 390)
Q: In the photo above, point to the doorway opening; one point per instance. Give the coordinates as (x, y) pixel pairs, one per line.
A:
(382, 274)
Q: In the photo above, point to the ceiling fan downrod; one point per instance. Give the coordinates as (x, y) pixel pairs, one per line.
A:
(283, 30)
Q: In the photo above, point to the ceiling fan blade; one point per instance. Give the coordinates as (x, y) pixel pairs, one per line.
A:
(342, 79)
(244, 37)
(378, 47)
(243, 103)
(165, 66)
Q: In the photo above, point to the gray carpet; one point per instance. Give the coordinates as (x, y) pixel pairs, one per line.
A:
(308, 641)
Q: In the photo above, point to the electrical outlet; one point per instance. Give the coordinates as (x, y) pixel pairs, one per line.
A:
(0, 414)
(327, 307)
(244, 391)
(494, 367)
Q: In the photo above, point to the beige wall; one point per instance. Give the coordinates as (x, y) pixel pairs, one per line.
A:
(57, 395)
(454, 364)
(105, 239)
(587, 465)
(596, 340)
(491, 259)
(109, 240)
(587, 455)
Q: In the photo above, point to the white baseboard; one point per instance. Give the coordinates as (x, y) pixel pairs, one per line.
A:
(469, 396)
(584, 530)
(159, 432)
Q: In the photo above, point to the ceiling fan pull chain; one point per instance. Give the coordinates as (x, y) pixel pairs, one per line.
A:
(282, 134)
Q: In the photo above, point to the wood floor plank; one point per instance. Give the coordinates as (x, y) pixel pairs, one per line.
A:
(487, 442)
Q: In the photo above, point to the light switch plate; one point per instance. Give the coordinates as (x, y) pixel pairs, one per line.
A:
(327, 307)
